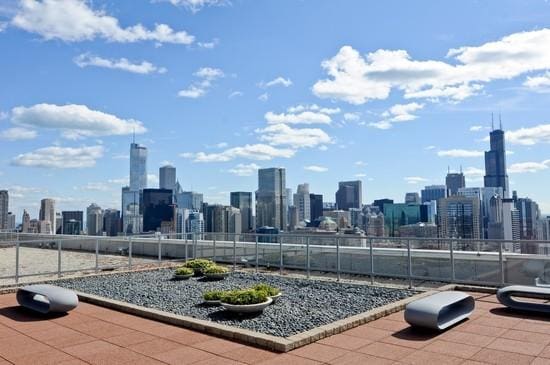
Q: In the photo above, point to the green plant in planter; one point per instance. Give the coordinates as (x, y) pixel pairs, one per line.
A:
(184, 271)
(198, 264)
(268, 289)
(213, 295)
(244, 297)
(215, 269)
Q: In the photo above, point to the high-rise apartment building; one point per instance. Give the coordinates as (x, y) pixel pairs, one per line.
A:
(271, 199)
(495, 162)
(412, 198)
(458, 217)
(167, 177)
(47, 213)
(529, 214)
(158, 209)
(302, 203)
(454, 181)
(433, 193)
(25, 222)
(484, 195)
(316, 206)
(138, 167)
(349, 195)
(243, 201)
(111, 222)
(72, 222)
(11, 221)
(94, 220)
(4, 206)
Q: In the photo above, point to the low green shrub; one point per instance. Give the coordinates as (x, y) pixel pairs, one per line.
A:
(213, 295)
(198, 264)
(215, 269)
(268, 289)
(244, 297)
(184, 271)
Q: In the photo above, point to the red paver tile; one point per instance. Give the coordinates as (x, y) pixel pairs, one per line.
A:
(180, 335)
(250, 355)
(101, 352)
(100, 329)
(497, 321)
(50, 357)
(472, 362)
(287, 359)
(467, 338)
(534, 326)
(154, 347)
(73, 362)
(546, 352)
(131, 338)
(345, 342)
(520, 347)
(183, 355)
(422, 357)
(526, 336)
(6, 332)
(498, 357)
(73, 318)
(356, 358)
(319, 352)
(541, 361)
(4, 362)
(389, 325)
(452, 349)
(15, 346)
(386, 350)
(218, 360)
(411, 337)
(471, 327)
(368, 333)
(397, 316)
(217, 345)
(61, 337)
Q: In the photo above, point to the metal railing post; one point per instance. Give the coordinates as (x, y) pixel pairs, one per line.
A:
(371, 262)
(451, 251)
(214, 249)
(501, 261)
(59, 258)
(130, 253)
(97, 255)
(159, 242)
(17, 262)
(256, 253)
(195, 245)
(338, 259)
(234, 253)
(409, 274)
(186, 248)
(308, 264)
(281, 256)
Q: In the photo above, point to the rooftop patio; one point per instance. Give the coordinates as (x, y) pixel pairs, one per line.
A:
(96, 335)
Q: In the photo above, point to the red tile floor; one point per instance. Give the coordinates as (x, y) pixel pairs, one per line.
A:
(95, 335)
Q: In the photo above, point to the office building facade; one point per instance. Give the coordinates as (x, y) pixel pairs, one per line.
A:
(72, 222)
(454, 181)
(433, 193)
(315, 206)
(158, 209)
(167, 177)
(138, 167)
(271, 199)
(242, 200)
(4, 209)
(349, 195)
(94, 220)
(111, 222)
(47, 213)
(495, 163)
(458, 217)
(302, 203)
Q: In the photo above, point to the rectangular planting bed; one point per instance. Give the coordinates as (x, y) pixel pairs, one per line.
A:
(308, 310)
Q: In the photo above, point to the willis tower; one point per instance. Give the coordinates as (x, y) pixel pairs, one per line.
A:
(495, 161)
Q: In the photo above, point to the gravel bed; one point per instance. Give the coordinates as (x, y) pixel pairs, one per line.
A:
(305, 304)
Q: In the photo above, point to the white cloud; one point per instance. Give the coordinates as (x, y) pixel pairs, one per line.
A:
(75, 121)
(74, 21)
(60, 157)
(540, 83)
(235, 94)
(415, 179)
(284, 135)
(209, 45)
(3, 115)
(360, 163)
(460, 153)
(277, 81)
(397, 113)
(200, 87)
(360, 175)
(87, 59)
(313, 107)
(476, 128)
(524, 167)
(196, 5)
(244, 169)
(351, 117)
(306, 117)
(260, 152)
(357, 79)
(263, 97)
(152, 180)
(473, 172)
(95, 186)
(428, 148)
(529, 136)
(17, 134)
(315, 168)
(383, 124)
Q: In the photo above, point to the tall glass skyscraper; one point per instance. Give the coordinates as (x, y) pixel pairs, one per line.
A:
(243, 201)
(167, 177)
(4, 199)
(495, 162)
(138, 167)
(271, 199)
(349, 195)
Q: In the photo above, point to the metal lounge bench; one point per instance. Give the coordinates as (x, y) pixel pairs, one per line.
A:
(440, 311)
(505, 295)
(47, 298)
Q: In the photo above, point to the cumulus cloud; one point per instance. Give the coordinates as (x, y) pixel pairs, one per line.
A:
(473, 172)
(524, 167)
(415, 179)
(476, 128)
(358, 79)
(17, 134)
(244, 169)
(56, 157)
(316, 168)
(276, 81)
(196, 5)
(144, 67)
(306, 117)
(460, 153)
(351, 117)
(260, 152)
(529, 136)
(397, 113)
(74, 121)
(263, 97)
(235, 94)
(284, 135)
(540, 83)
(75, 20)
(313, 107)
(205, 75)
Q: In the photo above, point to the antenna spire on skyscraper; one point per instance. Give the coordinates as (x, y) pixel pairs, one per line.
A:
(492, 122)
(134, 135)
(500, 121)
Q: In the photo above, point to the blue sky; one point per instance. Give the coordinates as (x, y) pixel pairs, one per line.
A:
(391, 93)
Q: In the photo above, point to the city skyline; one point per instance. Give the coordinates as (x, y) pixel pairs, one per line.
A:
(194, 101)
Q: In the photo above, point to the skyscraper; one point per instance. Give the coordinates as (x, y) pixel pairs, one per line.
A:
(132, 220)
(271, 198)
(529, 214)
(94, 220)
(495, 162)
(25, 221)
(302, 203)
(316, 206)
(243, 201)
(189, 200)
(157, 209)
(412, 198)
(167, 177)
(111, 222)
(72, 221)
(47, 213)
(138, 167)
(4, 203)
(349, 195)
(433, 192)
(458, 217)
(454, 181)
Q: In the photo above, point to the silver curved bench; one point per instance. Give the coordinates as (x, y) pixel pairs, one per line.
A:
(505, 295)
(439, 311)
(45, 298)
